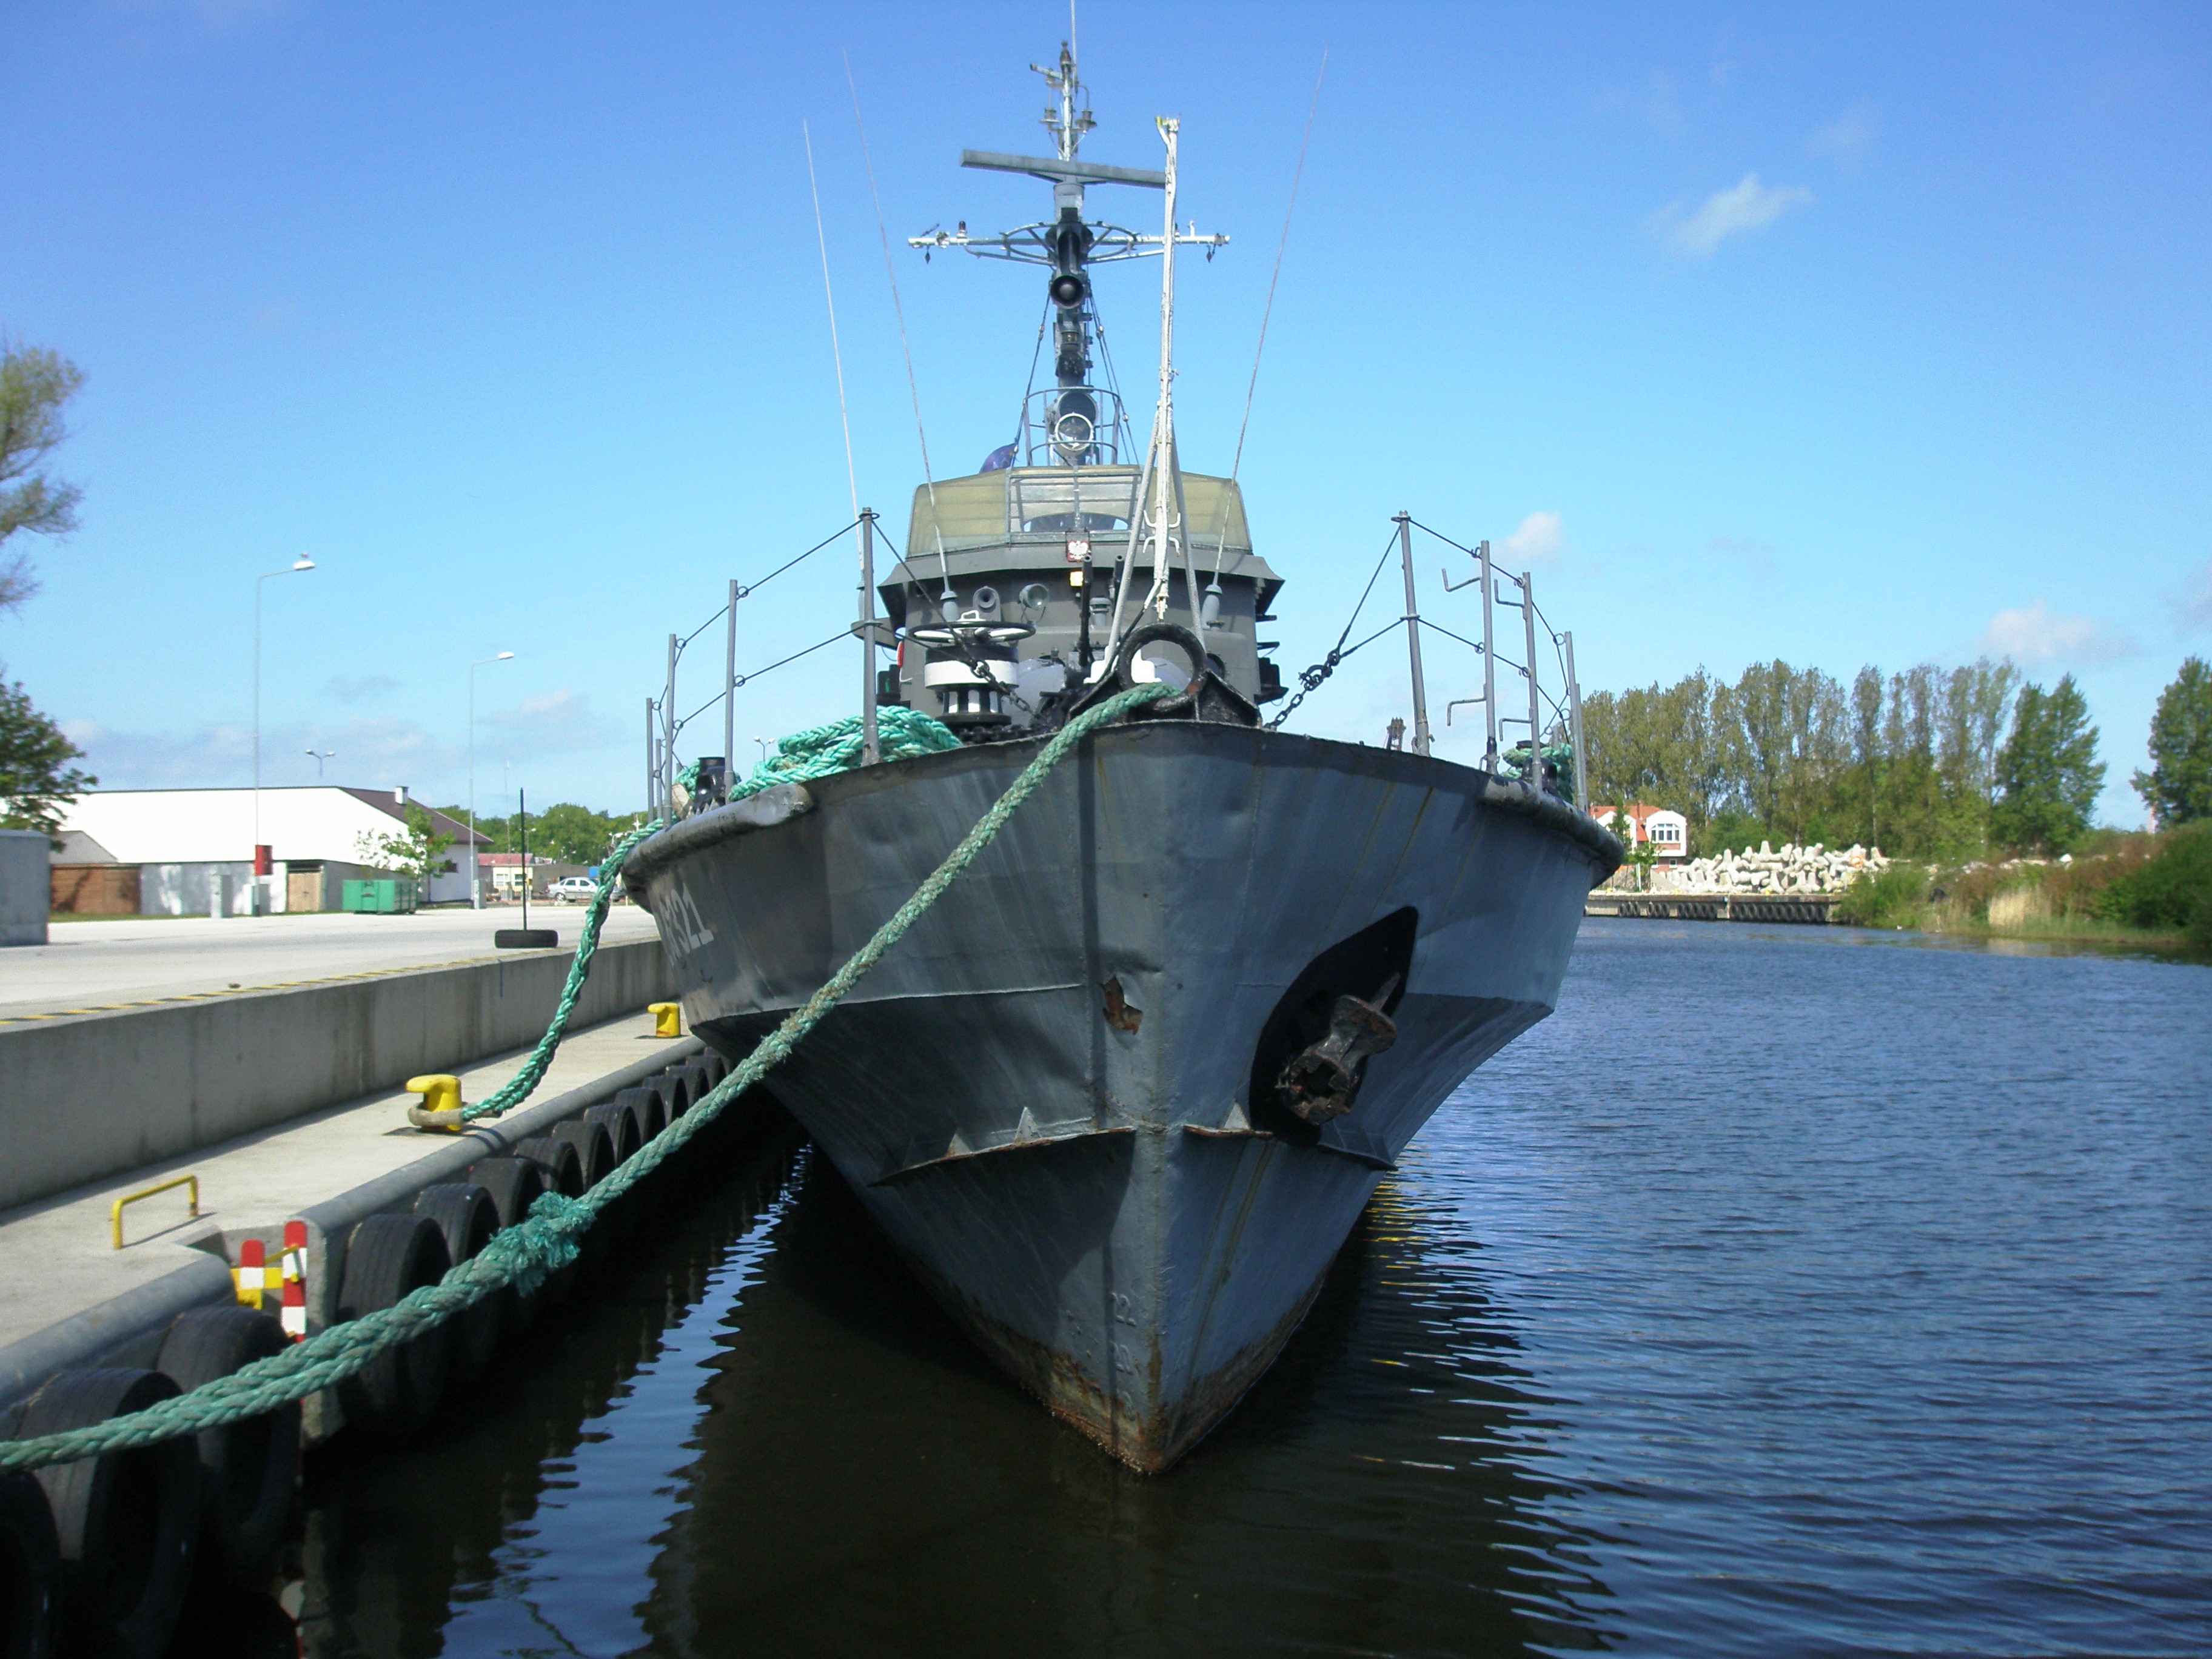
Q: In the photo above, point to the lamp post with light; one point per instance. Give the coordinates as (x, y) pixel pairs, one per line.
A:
(476, 859)
(321, 755)
(303, 562)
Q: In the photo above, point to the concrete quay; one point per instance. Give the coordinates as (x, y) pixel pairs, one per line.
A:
(71, 1300)
(103, 965)
(85, 1096)
(1817, 908)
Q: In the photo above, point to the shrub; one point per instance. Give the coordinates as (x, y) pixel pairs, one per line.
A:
(1893, 897)
(2170, 890)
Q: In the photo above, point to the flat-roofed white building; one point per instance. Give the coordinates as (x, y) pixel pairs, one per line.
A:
(194, 848)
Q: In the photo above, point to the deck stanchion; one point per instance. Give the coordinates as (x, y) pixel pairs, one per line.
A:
(667, 780)
(1413, 637)
(730, 698)
(870, 750)
(1489, 665)
(1535, 731)
(1575, 724)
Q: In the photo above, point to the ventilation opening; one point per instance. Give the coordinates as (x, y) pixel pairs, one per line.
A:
(1359, 966)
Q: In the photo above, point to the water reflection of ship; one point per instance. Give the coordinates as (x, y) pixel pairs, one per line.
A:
(394, 1541)
(836, 1468)
(857, 1460)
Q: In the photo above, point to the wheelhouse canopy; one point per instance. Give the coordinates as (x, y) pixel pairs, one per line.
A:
(987, 509)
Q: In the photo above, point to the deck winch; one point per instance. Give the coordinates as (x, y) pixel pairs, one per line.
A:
(970, 665)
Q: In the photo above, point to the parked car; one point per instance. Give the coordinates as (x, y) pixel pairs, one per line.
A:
(574, 890)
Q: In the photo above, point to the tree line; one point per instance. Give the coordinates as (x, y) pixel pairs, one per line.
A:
(565, 832)
(1925, 763)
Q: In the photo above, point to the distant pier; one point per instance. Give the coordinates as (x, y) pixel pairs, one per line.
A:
(1812, 908)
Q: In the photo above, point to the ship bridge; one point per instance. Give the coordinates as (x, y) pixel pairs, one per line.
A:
(1036, 546)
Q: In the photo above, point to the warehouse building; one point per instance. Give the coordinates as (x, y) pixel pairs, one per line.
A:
(193, 851)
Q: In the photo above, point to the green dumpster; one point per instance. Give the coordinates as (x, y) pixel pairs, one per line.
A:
(377, 898)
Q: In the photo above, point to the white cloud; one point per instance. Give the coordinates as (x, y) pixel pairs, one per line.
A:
(1540, 539)
(371, 753)
(2036, 637)
(2193, 604)
(368, 685)
(553, 721)
(1849, 133)
(1744, 205)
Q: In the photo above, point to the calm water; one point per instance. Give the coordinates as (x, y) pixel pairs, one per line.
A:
(1792, 1291)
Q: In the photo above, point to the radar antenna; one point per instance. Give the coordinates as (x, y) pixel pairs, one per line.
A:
(1068, 244)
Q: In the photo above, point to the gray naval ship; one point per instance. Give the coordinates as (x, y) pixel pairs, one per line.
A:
(1121, 1095)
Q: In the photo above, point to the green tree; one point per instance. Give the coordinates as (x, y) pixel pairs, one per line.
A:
(2047, 774)
(36, 778)
(419, 851)
(572, 834)
(34, 386)
(565, 832)
(2179, 785)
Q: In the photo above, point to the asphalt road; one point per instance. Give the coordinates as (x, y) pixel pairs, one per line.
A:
(99, 964)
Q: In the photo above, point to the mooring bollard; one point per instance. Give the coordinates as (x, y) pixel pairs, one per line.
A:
(667, 1018)
(441, 1101)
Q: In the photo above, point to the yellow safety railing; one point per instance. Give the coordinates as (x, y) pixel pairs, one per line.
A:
(115, 1209)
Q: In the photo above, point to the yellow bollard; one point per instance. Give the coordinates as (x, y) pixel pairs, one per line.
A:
(667, 1018)
(441, 1103)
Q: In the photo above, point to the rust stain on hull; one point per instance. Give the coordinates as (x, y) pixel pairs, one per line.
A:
(1150, 1445)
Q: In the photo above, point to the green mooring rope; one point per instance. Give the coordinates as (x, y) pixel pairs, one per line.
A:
(522, 1255)
(817, 752)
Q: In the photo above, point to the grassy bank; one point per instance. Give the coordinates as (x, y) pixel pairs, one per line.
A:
(2152, 889)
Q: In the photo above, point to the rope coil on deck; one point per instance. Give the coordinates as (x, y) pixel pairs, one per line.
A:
(523, 1254)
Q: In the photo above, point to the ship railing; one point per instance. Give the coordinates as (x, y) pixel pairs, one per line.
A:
(1551, 721)
(1072, 426)
(666, 793)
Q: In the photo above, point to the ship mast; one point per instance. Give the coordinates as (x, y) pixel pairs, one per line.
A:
(1068, 244)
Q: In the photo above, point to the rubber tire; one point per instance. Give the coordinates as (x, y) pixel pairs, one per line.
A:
(248, 1469)
(701, 1077)
(675, 1086)
(623, 1131)
(467, 1216)
(387, 1257)
(125, 1524)
(647, 1108)
(30, 1569)
(514, 1184)
(564, 1171)
(593, 1150)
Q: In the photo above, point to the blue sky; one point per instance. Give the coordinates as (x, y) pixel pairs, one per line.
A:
(1857, 335)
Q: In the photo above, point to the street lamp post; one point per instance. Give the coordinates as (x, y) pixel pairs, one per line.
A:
(321, 755)
(476, 860)
(303, 562)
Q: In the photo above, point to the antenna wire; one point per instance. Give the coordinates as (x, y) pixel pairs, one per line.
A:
(836, 355)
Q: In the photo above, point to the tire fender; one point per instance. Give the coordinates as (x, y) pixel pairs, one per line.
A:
(247, 1469)
(467, 1217)
(387, 1257)
(126, 1524)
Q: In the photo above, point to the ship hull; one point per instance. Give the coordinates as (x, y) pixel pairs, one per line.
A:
(1055, 1094)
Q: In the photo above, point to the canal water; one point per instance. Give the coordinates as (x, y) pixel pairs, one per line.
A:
(1791, 1290)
